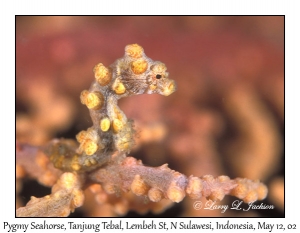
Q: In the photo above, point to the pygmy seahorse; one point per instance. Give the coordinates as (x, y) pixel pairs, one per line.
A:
(132, 74)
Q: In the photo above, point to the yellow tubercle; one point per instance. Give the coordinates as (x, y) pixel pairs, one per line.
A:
(117, 125)
(118, 87)
(217, 195)
(93, 161)
(83, 96)
(87, 163)
(58, 163)
(75, 163)
(81, 136)
(78, 199)
(139, 186)
(118, 114)
(240, 191)
(123, 145)
(102, 74)
(134, 50)
(194, 187)
(75, 166)
(105, 124)
(139, 66)
(153, 87)
(90, 147)
(175, 193)
(155, 195)
(93, 100)
(169, 88)
(159, 68)
(89, 141)
(262, 191)
(90, 162)
(251, 196)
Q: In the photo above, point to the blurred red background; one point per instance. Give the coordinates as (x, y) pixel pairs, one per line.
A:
(227, 116)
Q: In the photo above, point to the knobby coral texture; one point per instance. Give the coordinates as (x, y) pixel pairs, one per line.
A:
(97, 165)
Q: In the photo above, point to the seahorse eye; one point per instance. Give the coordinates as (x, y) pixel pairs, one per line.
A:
(158, 76)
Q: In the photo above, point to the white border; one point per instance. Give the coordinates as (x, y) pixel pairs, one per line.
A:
(288, 8)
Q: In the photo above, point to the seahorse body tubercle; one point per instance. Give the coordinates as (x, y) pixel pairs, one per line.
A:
(132, 74)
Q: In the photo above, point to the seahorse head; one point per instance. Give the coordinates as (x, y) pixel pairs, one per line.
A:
(142, 75)
(159, 81)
